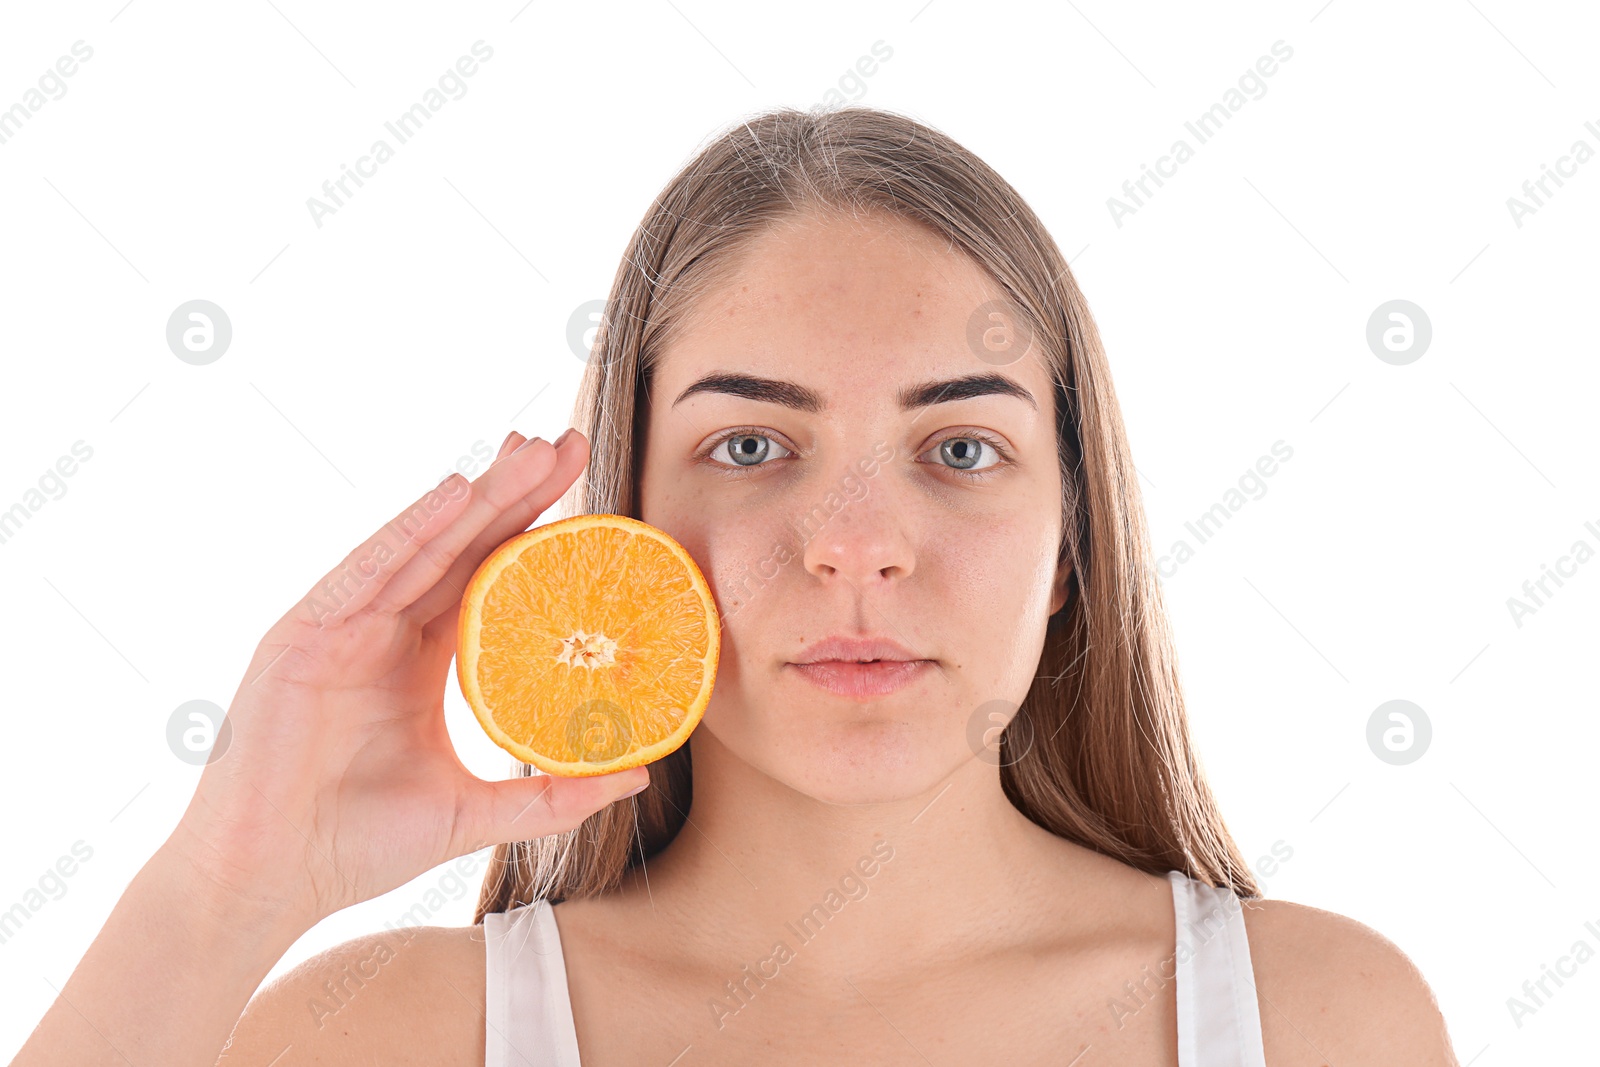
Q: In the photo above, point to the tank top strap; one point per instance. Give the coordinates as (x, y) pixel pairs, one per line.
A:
(527, 1008)
(1219, 1022)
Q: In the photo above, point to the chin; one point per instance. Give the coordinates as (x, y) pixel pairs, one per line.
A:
(866, 755)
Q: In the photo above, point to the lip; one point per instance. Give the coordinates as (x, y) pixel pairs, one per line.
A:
(853, 650)
(863, 681)
(835, 664)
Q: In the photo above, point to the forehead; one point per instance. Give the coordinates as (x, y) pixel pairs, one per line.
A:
(848, 306)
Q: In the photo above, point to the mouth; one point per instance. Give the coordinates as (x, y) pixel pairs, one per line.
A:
(864, 679)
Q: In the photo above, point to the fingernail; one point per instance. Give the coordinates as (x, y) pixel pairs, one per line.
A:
(564, 435)
(631, 792)
(525, 444)
(507, 441)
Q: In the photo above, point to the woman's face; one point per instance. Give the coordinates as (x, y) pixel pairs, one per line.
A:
(824, 495)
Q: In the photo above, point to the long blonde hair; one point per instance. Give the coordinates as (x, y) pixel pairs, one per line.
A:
(1105, 758)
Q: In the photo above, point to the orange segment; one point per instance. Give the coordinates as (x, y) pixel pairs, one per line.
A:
(588, 645)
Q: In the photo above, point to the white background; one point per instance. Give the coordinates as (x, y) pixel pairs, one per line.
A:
(430, 314)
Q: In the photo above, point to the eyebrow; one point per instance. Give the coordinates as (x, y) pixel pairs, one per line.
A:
(910, 397)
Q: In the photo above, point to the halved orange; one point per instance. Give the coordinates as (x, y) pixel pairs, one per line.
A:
(588, 645)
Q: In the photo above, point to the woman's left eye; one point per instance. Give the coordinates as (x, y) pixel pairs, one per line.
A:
(965, 454)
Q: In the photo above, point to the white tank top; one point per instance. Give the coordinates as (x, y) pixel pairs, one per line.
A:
(528, 1010)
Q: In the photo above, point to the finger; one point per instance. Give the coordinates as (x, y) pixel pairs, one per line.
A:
(512, 442)
(503, 485)
(367, 569)
(522, 809)
(445, 598)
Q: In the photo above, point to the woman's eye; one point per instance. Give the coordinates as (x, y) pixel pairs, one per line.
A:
(746, 450)
(965, 455)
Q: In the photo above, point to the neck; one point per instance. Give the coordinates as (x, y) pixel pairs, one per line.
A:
(949, 872)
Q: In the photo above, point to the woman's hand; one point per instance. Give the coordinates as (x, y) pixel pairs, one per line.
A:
(339, 782)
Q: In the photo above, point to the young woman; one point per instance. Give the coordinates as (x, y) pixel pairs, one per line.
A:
(848, 369)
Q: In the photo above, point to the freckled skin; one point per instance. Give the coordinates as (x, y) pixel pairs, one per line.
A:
(855, 310)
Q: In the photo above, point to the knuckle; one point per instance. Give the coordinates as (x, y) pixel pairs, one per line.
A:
(436, 557)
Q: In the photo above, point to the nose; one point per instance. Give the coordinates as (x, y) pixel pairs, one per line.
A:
(866, 541)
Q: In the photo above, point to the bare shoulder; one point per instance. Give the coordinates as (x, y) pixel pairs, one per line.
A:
(1334, 990)
(401, 996)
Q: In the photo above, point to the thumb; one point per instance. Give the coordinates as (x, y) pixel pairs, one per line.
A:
(521, 809)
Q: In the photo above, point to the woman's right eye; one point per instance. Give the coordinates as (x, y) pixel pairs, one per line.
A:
(745, 450)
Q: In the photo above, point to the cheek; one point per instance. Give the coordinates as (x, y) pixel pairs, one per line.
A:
(738, 550)
(744, 558)
(997, 573)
